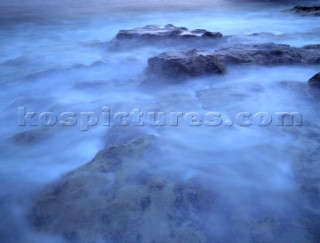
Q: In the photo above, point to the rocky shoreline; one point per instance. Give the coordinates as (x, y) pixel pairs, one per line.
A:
(116, 196)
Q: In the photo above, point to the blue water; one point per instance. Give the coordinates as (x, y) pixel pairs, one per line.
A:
(53, 55)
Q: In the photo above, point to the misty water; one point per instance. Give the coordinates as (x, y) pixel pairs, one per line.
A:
(54, 58)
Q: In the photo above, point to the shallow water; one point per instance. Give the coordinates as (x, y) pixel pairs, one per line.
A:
(54, 58)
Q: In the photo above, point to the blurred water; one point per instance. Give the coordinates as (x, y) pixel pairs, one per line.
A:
(48, 49)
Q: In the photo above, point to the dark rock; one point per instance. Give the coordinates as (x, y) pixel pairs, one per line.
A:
(105, 200)
(30, 137)
(153, 34)
(95, 204)
(312, 46)
(123, 134)
(261, 54)
(182, 65)
(178, 66)
(314, 82)
(208, 34)
(99, 84)
(164, 32)
(306, 10)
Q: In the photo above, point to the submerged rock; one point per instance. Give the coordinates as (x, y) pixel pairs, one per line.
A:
(312, 46)
(120, 197)
(123, 134)
(31, 137)
(153, 34)
(181, 65)
(314, 82)
(267, 54)
(306, 10)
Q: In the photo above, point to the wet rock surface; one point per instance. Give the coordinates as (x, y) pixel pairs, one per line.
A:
(168, 34)
(31, 137)
(179, 65)
(268, 54)
(314, 82)
(306, 10)
(118, 197)
(306, 173)
(184, 65)
(155, 32)
(123, 134)
(312, 46)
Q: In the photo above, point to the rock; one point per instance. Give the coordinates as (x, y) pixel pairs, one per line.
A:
(306, 10)
(169, 31)
(30, 137)
(153, 34)
(314, 82)
(97, 84)
(120, 196)
(312, 46)
(261, 54)
(123, 134)
(182, 65)
(179, 66)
